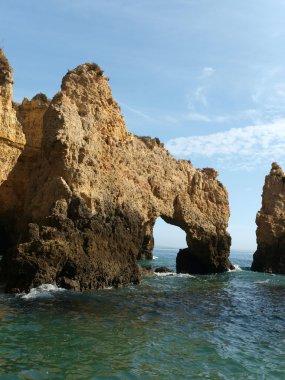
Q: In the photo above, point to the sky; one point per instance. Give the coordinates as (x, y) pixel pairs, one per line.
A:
(206, 77)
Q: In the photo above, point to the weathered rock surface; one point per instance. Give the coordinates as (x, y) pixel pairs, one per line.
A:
(13, 191)
(12, 138)
(93, 191)
(270, 220)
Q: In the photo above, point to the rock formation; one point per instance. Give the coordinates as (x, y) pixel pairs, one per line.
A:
(92, 192)
(12, 139)
(13, 190)
(270, 220)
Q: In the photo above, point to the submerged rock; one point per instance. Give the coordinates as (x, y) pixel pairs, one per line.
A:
(92, 192)
(270, 234)
(163, 270)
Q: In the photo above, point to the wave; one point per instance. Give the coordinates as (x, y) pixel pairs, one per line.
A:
(262, 281)
(237, 268)
(155, 257)
(173, 274)
(42, 291)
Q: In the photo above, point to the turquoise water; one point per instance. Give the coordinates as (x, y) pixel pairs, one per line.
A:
(225, 326)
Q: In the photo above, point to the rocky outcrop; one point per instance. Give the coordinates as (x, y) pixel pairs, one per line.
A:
(12, 139)
(93, 192)
(270, 220)
(204, 257)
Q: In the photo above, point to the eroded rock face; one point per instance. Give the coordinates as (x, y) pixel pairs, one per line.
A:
(12, 139)
(270, 220)
(95, 191)
(14, 190)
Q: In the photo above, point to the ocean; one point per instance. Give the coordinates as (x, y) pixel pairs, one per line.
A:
(224, 326)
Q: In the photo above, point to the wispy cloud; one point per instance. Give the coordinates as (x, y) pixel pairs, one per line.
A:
(237, 148)
(137, 112)
(268, 95)
(197, 97)
(207, 72)
(200, 96)
(157, 120)
(195, 116)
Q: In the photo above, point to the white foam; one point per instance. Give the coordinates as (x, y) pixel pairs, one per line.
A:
(155, 257)
(172, 274)
(42, 291)
(262, 281)
(237, 268)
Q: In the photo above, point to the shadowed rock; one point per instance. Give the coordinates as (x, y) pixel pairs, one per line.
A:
(270, 220)
(204, 257)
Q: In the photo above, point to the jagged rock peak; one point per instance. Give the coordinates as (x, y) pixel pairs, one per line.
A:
(6, 78)
(12, 139)
(270, 220)
(88, 88)
(276, 169)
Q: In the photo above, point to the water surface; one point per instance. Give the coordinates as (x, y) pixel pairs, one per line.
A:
(224, 326)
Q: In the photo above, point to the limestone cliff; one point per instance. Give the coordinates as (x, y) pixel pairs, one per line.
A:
(93, 194)
(12, 139)
(13, 191)
(270, 220)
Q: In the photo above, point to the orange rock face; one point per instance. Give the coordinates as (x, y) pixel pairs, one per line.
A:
(93, 192)
(270, 220)
(12, 139)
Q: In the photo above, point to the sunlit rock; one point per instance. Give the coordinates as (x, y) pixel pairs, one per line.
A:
(12, 139)
(93, 191)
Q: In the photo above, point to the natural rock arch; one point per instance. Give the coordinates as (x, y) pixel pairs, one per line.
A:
(95, 190)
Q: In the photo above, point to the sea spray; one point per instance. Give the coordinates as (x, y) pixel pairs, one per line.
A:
(42, 291)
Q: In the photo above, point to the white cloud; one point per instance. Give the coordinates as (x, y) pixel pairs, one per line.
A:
(207, 72)
(236, 148)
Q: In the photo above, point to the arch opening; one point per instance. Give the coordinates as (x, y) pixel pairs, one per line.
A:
(167, 240)
(167, 235)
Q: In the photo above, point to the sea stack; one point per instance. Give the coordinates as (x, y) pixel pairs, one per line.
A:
(270, 254)
(90, 193)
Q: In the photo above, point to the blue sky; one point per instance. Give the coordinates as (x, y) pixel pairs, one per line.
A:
(207, 77)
